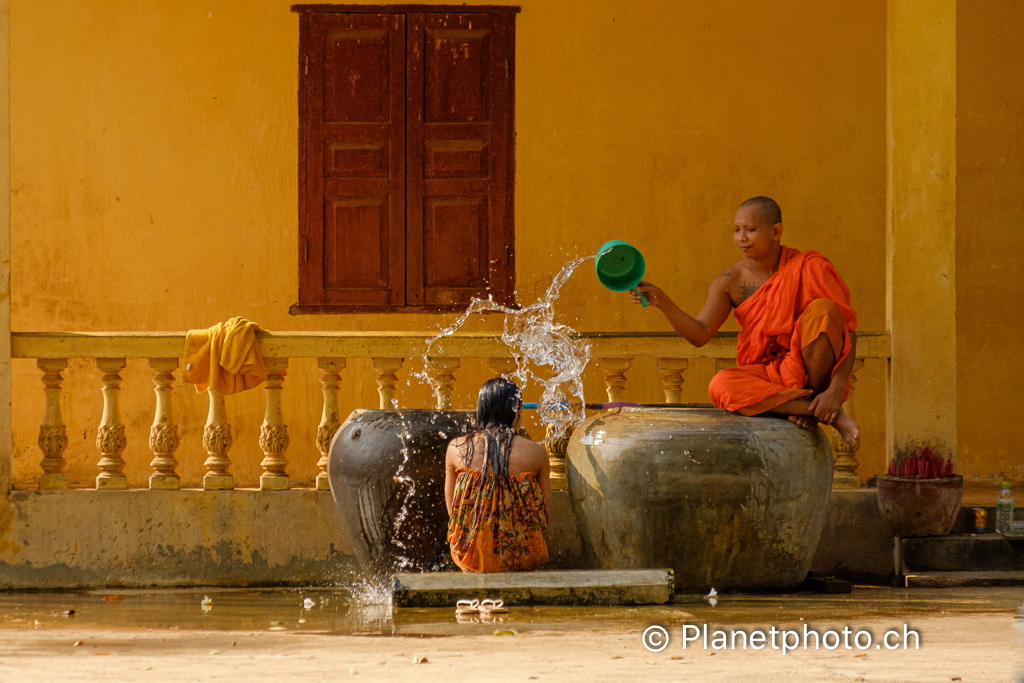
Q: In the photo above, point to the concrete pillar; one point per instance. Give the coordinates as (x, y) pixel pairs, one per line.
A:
(6, 449)
(921, 217)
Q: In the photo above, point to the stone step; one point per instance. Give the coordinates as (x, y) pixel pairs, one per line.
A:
(590, 587)
(962, 553)
(955, 579)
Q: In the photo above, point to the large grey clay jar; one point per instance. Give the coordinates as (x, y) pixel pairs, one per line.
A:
(726, 501)
(392, 506)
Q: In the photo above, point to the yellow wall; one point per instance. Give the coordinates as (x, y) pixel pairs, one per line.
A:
(153, 164)
(921, 225)
(989, 218)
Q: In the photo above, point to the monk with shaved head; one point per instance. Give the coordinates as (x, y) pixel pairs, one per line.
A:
(797, 341)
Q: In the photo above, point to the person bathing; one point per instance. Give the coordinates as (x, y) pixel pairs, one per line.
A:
(497, 488)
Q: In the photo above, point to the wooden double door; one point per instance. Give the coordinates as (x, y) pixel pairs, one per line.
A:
(406, 158)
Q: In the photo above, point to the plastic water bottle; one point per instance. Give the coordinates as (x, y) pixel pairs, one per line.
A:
(1004, 510)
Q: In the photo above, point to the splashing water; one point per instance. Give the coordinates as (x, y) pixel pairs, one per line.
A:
(403, 479)
(406, 521)
(367, 593)
(370, 604)
(536, 341)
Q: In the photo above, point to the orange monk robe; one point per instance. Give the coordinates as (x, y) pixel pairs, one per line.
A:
(803, 299)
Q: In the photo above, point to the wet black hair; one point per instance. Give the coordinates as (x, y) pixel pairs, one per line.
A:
(497, 405)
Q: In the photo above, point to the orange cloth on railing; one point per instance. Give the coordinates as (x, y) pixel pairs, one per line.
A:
(497, 526)
(225, 357)
(803, 299)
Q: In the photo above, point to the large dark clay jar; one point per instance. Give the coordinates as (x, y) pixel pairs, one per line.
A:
(726, 501)
(394, 523)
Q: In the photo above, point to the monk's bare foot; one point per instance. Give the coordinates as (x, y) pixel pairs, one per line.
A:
(848, 429)
(804, 421)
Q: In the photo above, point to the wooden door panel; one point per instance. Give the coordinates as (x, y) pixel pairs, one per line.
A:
(457, 144)
(456, 69)
(356, 225)
(355, 155)
(358, 240)
(343, 158)
(356, 73)
(455, 159)
(456, 232)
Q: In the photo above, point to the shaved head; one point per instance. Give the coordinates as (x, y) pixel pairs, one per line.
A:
(766, 207)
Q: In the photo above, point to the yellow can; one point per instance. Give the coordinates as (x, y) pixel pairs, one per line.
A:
(980, 520)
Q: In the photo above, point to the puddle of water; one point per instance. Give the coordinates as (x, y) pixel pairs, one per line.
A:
(331, 611)
(864, 603)
(363, 611)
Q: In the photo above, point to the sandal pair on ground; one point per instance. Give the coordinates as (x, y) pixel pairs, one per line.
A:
(466, 611)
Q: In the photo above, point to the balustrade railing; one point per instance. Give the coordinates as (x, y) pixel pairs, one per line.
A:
(614, 354)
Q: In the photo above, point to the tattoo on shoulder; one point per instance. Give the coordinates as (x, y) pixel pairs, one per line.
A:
(747, 290)
(725, 273)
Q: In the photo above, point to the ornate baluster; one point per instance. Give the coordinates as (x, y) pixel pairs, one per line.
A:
(556, 449)
(330, 378)
(53, 437)
(672, 370)
(443, 369)
(217, 442)
(163, 435)
(845, 467)
(274, 432)
(614, 370)
(110, 438)
(386, 379)
(502, 366)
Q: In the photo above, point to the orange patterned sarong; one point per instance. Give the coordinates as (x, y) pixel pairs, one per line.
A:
(497, 526)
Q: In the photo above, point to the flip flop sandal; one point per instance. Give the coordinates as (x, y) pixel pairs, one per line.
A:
(495, 606)
(467, 607)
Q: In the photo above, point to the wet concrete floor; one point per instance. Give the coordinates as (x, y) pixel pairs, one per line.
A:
(166, 636)
(367, 611)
